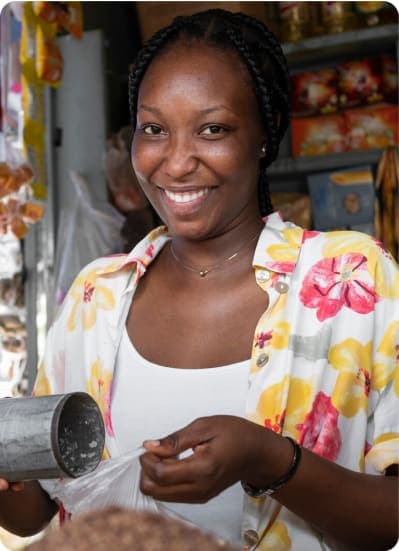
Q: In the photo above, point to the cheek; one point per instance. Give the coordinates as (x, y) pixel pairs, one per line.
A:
(144, 160)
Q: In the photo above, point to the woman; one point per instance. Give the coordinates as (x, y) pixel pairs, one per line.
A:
(260, 353)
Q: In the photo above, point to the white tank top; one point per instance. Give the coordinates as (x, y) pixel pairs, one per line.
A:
(151, 401)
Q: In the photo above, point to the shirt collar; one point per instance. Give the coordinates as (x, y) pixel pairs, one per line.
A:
(279, 245)
(141, 255)
(277, 249)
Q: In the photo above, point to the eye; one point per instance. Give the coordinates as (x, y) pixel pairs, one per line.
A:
(151, 129)
(213, 130)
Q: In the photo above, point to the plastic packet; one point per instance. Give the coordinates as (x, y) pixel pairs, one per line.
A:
(87, 230)
(115, 481)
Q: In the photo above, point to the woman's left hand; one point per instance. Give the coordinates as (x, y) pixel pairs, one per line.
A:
(223, 447)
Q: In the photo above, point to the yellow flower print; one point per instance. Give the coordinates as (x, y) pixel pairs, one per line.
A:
(287, 252)
(384, 452)
(276, 539)
(99, 387)
(275, 409)
(386, 366)
(379, 261)
(351, 390)
(88, 295)
(42, 384)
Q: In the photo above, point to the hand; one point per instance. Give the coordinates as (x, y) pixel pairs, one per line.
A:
(14, 486)
(224, 450)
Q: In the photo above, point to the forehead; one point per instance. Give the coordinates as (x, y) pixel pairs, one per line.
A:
(195, 66)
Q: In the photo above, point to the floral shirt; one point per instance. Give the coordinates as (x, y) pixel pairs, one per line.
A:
(325, 354)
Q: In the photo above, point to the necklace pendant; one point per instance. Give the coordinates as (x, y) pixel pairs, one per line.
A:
(204, 272)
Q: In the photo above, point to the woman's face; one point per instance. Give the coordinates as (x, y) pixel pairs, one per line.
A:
(198, 140)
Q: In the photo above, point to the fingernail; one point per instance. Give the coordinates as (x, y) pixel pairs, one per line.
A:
(3, 485)
(152, 443)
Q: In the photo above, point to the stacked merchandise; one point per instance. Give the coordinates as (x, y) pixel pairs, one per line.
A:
(349, 107)
(387, 202)
(343, 199)
(300, 20)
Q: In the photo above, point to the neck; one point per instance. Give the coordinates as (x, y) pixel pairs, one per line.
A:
(216, 252)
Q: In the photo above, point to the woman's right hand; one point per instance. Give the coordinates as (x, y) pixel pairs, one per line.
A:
(14, 486)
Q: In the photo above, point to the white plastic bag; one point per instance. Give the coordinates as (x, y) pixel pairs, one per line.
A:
(86, 232)
(114, 482)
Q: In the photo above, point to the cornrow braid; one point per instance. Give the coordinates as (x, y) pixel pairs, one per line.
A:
(260, 52)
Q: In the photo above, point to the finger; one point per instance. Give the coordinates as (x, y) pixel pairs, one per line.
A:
(168, 471)
(196, 433)
(4, 485)
(190, 492)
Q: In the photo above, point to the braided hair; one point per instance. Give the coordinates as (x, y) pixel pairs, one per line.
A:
(260, 52)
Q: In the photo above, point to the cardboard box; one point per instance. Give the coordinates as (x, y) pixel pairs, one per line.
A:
(153, 16)
(318, 135)
(371, 127)
(342, 199)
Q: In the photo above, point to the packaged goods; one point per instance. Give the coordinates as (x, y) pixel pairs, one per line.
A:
(387, 212)
(389, 73)
(67, 15)
(337, 17)
(295, 20)
(359, 83)
(370, 12)
(49, 61)
(342, 199)
(314, 92)
(318, 135)
(371, 127)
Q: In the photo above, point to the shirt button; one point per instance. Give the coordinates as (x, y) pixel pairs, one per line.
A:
(281, 287)
(262, 359)
(263, 275)
(251, 537)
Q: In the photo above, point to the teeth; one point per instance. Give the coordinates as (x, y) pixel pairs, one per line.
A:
(187, 196)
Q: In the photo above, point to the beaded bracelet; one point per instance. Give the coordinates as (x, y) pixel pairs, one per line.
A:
(280, 482)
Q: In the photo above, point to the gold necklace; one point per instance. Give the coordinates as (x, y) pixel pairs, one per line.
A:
(205, 271)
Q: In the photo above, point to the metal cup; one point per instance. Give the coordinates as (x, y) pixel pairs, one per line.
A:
(61, 435)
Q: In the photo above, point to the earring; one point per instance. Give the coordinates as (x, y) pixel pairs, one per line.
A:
(263, 149)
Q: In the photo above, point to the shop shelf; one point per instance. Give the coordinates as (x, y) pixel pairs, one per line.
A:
(316, 163)
(342, 45)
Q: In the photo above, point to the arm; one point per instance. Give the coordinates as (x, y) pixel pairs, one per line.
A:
(356, 509)
(25, 508)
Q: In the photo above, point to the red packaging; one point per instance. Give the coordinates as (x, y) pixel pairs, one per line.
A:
(315, 92)
(372, 127)
(318, 135)
(359, 83)
(389, 72)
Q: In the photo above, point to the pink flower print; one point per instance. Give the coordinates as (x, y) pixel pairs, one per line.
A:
(107, 413)
(149, 251)
(275, 424)
(88, 290)
(262, 338)
(336, 282)
(319, 432)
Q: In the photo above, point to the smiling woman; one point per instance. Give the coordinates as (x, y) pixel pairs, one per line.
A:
(252, 358)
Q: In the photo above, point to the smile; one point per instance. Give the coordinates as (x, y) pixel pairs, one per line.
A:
(186, 196)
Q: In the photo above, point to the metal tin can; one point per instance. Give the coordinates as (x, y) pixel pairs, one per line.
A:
(60, 435)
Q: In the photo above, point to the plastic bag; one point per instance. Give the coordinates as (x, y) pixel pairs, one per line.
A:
(86, 231)
(114, 482)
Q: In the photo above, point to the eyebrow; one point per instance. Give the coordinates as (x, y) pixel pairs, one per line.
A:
(202, 112)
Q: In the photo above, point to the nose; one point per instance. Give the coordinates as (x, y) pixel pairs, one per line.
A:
(180, 158)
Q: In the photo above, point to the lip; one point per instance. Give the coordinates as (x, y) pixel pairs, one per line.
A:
(184, 201)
